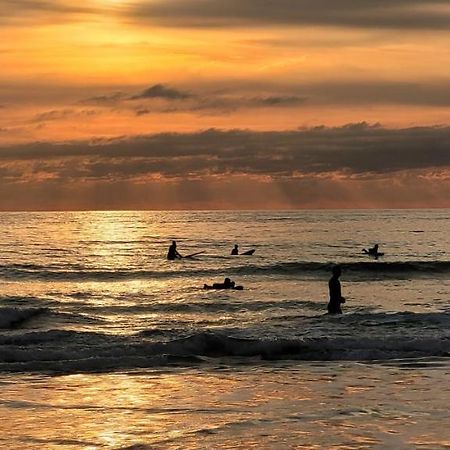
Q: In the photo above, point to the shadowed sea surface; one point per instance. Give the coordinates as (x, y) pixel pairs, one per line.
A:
(106, 344)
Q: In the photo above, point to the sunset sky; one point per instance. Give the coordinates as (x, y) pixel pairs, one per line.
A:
(246, 104)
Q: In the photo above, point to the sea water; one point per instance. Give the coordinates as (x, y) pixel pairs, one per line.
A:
(104, 344)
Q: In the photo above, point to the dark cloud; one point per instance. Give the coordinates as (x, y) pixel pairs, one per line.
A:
(16, 11)
(390, 14)
(247, 96)
(142, 111)
(357, 165)
(104, 100)
(207, 102)
(280, 100)
(223, 96)
(161, 91)
(353, 150)
(222, 104)
(61, 114)
(351, 92)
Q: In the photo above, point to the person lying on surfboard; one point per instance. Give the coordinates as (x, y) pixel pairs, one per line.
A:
(227, 284)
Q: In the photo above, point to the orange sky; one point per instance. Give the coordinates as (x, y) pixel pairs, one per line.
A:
(123, 69)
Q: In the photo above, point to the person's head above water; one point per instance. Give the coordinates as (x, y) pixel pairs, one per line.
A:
(227, 282)
(337, 271)
(174, 243)
(235, 246)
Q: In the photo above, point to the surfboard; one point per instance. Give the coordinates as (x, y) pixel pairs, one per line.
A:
(249, 252)
(193, 254)
(236, 288)
(375, 255)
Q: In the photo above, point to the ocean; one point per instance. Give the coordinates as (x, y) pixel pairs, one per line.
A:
(104, 344)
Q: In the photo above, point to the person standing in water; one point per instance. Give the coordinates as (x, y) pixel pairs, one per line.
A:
(334, 285)
(173, 252)
(235, 250)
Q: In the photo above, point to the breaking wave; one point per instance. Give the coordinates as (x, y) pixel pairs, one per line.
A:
(66, 351)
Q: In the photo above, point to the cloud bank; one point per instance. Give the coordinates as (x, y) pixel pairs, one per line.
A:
(380, 14)
(357, 165)
(355, 149)
(388, 14)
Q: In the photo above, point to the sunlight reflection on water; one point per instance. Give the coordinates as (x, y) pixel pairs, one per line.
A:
(354, 405)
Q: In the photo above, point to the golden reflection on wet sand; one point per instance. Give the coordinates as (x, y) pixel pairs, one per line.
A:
(360, 406)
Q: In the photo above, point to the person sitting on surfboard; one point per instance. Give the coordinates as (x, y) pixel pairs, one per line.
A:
(227, 284)
(334, 285)
(373, 251)
(173, 252)
(235, 251)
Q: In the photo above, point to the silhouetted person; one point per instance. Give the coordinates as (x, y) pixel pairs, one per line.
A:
(227, 284)
(235, 250)
(373, 250)
(173, 252)
(334, 285)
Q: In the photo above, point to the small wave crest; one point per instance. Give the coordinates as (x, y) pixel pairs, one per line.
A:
(319, 349)
(11, 317)
(365, 269)
(359, 267)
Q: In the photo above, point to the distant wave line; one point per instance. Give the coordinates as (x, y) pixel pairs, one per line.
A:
(401, 268)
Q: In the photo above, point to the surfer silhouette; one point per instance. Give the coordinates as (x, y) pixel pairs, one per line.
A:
(235, 251)
(227, 284)
(373, 251)
(334, 285)
(173, 252)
